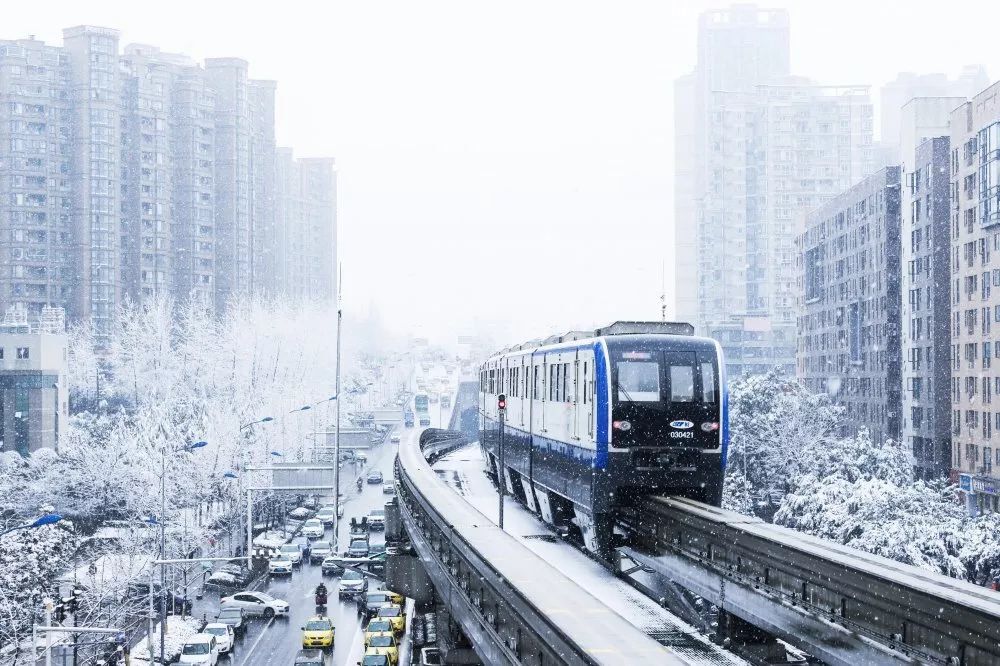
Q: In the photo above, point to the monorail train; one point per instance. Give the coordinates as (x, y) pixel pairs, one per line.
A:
(594, 419)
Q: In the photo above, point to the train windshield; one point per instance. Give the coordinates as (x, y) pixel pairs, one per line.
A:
(665, 398)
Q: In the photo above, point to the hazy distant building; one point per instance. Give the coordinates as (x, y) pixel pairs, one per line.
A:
(848, 326)
(233, 232)
(907, 86)
(142, 174)
(263, 204)
(307, 221)
(925, 256)
(756, 150)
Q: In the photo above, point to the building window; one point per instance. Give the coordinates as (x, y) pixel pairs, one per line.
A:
(22, 352)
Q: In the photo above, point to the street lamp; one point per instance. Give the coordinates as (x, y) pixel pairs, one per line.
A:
(266, 419)
(163, 537)
(41, 521)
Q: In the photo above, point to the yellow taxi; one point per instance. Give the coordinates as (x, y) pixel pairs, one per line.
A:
(318, 633)
(384, 644)
(377, 628)
(395, 615)
(394, 597)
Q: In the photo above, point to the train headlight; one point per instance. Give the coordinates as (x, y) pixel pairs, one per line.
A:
(624, 426)
(710, 427)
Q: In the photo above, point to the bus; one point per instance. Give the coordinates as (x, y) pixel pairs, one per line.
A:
(420, 403)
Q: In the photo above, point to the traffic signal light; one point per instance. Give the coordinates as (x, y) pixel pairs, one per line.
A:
(59, 612)
(501, 401)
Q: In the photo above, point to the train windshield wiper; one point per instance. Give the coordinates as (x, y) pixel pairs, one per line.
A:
(621, 389)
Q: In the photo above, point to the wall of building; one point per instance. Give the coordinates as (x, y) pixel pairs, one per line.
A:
(848, 327)
(34, 397)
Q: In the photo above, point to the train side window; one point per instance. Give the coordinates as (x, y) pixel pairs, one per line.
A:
(552, 382)
(565, 383)
(585, 382)
(534, 387)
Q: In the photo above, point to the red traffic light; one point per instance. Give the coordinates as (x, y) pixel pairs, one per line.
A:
(501, 402)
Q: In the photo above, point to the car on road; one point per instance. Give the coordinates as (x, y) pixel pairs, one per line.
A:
(313, 529)
(200, 649)
(225, 637)
(352, 583)
(256, 603)
(318, 632)
(292, 551)
(280, 565)
(358, 548)
(375, 600)
(376, 549)
(384, 644)
(360, 458)
(389, 489)
(375, 660)
(320, 551)
(395, 439)
(332, 567)
(235, 618)
(327, 515)
(376, 520)
(376, 628)
(425, 420)
(395, 615)
(310, 658)
(375, 477)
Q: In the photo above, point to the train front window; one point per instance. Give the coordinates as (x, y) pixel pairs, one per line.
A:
(639, 379)
(681, 383)
(708, 382)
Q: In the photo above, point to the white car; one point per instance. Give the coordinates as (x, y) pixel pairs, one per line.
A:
(224, 636)
(256, 603)
(280, 565)
(313, 529)
(376, 519)
(352, 582)
(395, 439)
(326, 515)
(200, 649)
(292, 551)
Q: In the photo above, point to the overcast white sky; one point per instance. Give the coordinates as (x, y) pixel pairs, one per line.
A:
(506, 162)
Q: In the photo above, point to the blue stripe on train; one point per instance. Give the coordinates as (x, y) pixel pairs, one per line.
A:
(602, 397)
(549, 444)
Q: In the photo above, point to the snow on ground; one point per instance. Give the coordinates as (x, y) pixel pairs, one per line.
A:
(463, 471)
(179, 630)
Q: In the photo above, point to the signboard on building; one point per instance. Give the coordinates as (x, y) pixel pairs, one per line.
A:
(965, 482)
(984, 485)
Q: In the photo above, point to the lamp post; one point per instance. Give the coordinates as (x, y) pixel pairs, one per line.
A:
(163, 538)
(47, 519)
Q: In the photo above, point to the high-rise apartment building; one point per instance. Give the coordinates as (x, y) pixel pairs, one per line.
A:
(95, 99)
(39, 253)
(307, 208)
(762, 149)
(233, 229)
(141, 174)
(975, 297)
(848, 326)
(264, 207)
(926, 294)
(906, 86)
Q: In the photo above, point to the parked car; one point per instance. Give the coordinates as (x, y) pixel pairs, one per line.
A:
(326, 515)
(200, 649)
(320, 551)
(375, 477)
(256, 603)
(313, 529)
(224, 635)
(235, 618)
(299, 513)
(352, 583)
(376, 520)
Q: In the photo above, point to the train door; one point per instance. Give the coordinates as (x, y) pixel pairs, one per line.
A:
(588, 396)
(576, 395)
(545, 382)
(522, 394)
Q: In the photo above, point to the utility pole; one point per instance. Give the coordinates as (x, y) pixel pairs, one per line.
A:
(501, 475)
(336, 443)
(48, 603)
(163, 547)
